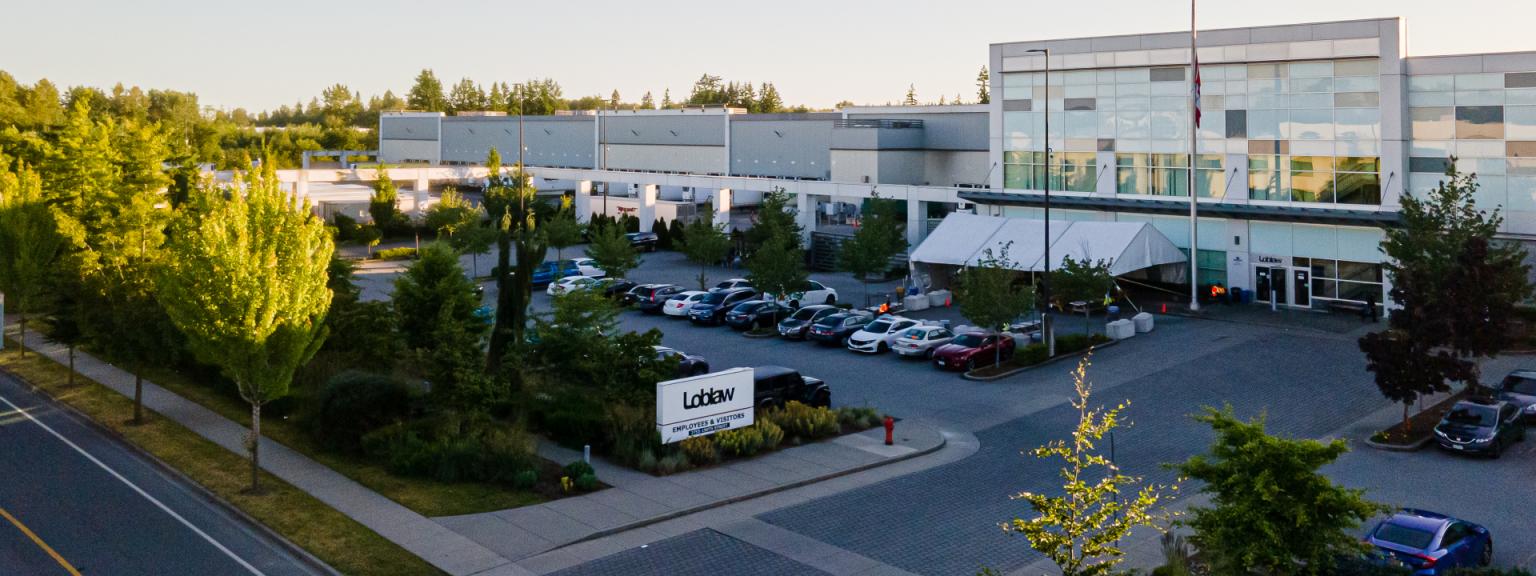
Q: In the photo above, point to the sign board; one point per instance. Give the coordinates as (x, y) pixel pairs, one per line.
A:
(704, 405)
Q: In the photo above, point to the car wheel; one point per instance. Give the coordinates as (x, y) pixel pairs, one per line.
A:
(970, 365)
(928, 354)
(822, 399)
(831, 299)
(882, 348)
(1487, 558)
(794, 303)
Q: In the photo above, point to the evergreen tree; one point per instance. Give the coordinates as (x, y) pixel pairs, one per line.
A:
(246, 282)
(769, 101)
(427, 93)
(466, 96)
(775, 217)
(666, 98)
(646, 102)
(383, 205)
(498, 98)
(434, 290)
(613, 101)
(911, 99)
(563, 230)
(983, 87)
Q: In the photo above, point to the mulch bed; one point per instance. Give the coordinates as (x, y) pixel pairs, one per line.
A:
(1419, 426)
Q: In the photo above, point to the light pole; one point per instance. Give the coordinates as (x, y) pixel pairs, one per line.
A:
(1046, 331)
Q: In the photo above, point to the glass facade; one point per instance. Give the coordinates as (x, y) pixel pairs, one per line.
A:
(1487, 121)
(1343, 280)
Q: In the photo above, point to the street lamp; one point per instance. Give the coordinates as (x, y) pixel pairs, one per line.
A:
(1046, 331)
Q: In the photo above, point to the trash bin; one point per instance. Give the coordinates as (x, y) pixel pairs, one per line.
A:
(1236, 295)
(1114, 313)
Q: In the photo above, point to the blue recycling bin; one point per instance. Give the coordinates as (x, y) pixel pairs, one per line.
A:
(1113, 313)
(1236, 295)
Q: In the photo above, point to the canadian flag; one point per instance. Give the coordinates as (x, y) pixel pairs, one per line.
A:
(1195, 55)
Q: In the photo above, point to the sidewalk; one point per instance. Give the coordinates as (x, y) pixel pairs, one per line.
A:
(637, 499)
(443, 548)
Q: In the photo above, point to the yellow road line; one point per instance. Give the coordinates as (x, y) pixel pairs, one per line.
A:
(40, 543)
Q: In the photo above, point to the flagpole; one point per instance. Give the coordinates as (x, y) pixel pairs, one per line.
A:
(1194, 193)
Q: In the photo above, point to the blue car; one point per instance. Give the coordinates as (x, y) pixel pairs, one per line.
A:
(1431, 543)
(547, 273)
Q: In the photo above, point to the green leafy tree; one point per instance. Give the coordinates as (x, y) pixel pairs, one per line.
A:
(246, 282)
(615, 366)
(510, 199)
(453, 213)
(1272, 511)
(611, 251)
(384, 204)
(427, 93)
(29, 239)
(775, 218)
(991, 294)
(474, 241)
(1455, 286)
(778, 268)
(432, 283)
(983, 87)
(370, 235)
(706, 244)
(1081, 529)
(769, 101)
(563, 230)
(1081, 280)
(677, 232)
(880, 237)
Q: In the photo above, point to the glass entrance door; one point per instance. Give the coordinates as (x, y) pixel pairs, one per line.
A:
(1302, 279)
(1270, 281)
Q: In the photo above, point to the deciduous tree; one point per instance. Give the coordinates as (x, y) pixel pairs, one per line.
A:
(992, 294)
(245, 281)
(29, 239)
(880, 237)
(563, 230)
(705, 244)
(611, 251)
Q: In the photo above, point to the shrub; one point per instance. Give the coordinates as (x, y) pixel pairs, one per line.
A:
(630, 432)
(672, 463)
(525, 479)
(586, 482)
(577, 468)
(804, 421)
(1076, 342)
(741, 442)
(663, 236)
(452, 448)
(346, 227)
(402, 253)
(574, 420)
(772, 434)
(354, 403)
(858, 417)
(646, 461)
(676, 232)
(700, 450)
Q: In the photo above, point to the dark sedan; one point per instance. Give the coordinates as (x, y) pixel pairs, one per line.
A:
(712, 307)
(687, 364)
(836, 328)
(755, 314)
(642, 241)
(651, 297)
(796, 324)
(972, 349)
(616, 288)
(1519, 388)
(1480, 427)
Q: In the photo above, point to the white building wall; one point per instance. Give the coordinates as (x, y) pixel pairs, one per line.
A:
(690, 159)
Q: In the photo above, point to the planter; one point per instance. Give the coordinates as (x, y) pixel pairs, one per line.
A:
(1059, 357)
(1420, 427)
(1414, 446)
(761, 333)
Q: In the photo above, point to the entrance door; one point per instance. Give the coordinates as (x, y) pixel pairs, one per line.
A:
(1302, 279)
(1270, 280)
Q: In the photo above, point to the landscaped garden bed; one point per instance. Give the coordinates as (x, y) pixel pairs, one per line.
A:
(1035, 354)
(1419, 429)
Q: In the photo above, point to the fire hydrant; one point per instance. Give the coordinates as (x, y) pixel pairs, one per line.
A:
(890, 430)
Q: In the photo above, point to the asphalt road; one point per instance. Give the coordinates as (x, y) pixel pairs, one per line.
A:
(76, 501)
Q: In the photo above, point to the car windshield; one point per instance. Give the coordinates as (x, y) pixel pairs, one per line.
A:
(1404, 536)
(745, 307)
(1473, 415)
(1520, 385)
(971, 340)
(804, 314)
(712, 298)
(878, 326)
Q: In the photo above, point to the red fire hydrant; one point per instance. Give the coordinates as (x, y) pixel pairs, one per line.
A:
(890, 429)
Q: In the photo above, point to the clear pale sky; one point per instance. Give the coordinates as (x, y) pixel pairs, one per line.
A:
(263, 54)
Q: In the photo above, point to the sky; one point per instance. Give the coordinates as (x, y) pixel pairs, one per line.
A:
(259, 55)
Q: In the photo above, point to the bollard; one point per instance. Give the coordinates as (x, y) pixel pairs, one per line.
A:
(890, 429)
(586, 453)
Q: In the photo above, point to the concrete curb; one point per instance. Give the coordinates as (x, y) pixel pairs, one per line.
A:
(749, 334)
(1413, 447)
(1058, 358)
(943, 441)
(197, 488)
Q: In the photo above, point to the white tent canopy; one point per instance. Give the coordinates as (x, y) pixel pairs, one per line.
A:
(962, 239)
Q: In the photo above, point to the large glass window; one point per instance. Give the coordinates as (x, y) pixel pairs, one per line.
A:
(1433, 123)
(1153, 174)
(1479, 122)
(1267, 178)
(1344, 280)
(1070, 171)
(1210, 177)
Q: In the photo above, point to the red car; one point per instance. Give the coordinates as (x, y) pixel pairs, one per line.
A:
(972, 349)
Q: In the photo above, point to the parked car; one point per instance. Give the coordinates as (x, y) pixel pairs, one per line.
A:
(756, 314)
(1519, 388)
(551, 271)
(796, 324)
(811, 292)
(652, 297)
(687, 364)
(570, 284)
(642, 241)
(972, 349)
(616, 288)
(834, 329)
(1429, 543)
(1480, 427)
(681, 302)
(776, 385)
(921, 341)
(878, 336)
(712, 307)
(588, 267)
(731, 284)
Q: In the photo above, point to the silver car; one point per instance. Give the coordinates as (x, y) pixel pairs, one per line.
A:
(920, 342)
(1519, 389)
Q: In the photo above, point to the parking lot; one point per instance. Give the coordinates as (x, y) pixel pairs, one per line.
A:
(1309, 383)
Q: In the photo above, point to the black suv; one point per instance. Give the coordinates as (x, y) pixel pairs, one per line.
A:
(651, 297)
(776, 385)
(1480, 427)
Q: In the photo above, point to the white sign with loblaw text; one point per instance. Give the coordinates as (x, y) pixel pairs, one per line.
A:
(704, 405)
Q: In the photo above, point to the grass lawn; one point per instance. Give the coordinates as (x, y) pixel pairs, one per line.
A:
(330, 535)
(426, 497)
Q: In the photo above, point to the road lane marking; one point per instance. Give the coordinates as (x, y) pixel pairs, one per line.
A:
(135, 488)
(40, 543)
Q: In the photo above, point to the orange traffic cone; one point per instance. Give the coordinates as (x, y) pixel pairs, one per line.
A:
(1165, 307)
(946, 301)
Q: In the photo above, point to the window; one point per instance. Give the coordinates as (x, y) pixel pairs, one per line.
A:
(1237, 123)
(1018, 105)
(1428, 165)
(1344, 280)
(1357, 100)
(1210, 176)
(1479, 122)
(1434, 123)
(1520, 80)
(1168, 74)
(1070, 171)
(1079, 104)
(1267, 178)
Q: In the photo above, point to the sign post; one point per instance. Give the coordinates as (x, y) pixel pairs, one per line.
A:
(704, 405)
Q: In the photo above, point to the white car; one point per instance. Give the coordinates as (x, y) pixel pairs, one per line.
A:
(680, 304)
(878, 336)
(731, 284)
(588, 267)
(812, 292)
(570, 284)
(921, 341)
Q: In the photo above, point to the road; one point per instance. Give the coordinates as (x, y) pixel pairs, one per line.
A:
(75, 501)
